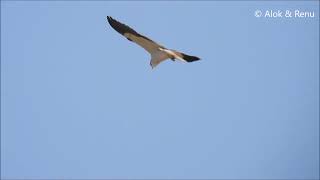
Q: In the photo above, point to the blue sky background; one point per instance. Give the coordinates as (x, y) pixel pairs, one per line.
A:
(80, 101)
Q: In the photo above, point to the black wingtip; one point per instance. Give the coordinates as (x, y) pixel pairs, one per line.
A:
(109, 18)
(119, 27)
(190, 58)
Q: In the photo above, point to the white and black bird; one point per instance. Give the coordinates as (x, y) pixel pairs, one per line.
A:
(158, 52)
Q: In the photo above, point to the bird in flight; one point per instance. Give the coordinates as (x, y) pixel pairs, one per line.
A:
(158, 52)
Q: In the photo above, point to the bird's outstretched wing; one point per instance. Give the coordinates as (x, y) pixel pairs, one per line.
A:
(146, 43)
(186, 57)
(179, 55)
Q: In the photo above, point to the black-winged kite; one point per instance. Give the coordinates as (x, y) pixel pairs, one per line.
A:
(158, 53)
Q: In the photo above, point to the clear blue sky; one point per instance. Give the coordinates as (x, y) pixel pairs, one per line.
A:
(80, 101)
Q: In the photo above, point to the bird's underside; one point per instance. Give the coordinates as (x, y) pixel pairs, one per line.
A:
(158, 52)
